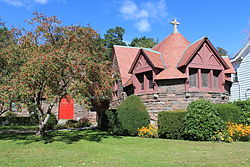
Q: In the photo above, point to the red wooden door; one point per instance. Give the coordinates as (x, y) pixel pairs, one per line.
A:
(66, 108)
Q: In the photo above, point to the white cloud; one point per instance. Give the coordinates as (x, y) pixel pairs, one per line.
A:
(143, 25)
(144, 14)
(42, 1)
(28, 3)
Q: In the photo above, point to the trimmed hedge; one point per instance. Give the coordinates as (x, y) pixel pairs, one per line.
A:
(131, 115)
(171, 124)
(228, 112)
(202, 121)
(19, 121)
(245, 111)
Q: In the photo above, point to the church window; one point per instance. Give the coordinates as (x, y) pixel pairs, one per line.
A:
(205, 78)
(149, 76)
(193, 76)
(141, 80)
(216, 74)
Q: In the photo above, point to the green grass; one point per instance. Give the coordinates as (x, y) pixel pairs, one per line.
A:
(99, 149)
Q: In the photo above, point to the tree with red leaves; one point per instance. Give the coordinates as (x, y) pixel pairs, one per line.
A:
(54, 61)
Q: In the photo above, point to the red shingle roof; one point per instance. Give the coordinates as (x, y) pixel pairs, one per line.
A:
(172, 49)
(154, 57)
(170, 73)
(125, 57)
(173, 52)
(188, 53)
(231, 68)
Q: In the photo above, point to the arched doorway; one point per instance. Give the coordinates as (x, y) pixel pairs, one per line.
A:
(66, 108)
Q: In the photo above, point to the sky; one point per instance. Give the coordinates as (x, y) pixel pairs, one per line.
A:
(224, 22)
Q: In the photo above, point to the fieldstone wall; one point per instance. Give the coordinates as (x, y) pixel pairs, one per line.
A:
(79, 112)
(171, 95)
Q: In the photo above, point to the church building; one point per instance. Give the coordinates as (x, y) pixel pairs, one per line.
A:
(172, 74)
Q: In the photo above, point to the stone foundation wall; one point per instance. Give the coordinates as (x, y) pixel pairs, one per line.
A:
(171, 95)
(79, 112)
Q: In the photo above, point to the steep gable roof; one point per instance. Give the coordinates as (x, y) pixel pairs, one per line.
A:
(125, 57)
(231, 68)
(172, 48)
(192, 50)
(152, 56)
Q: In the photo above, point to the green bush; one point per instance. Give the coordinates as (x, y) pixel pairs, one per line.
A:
(131, 115)
(245, 111)
(71, 124)
(228, 112)
(202, 121)
(107, 118)
(171, 124)
(11, 118)
(51, 122)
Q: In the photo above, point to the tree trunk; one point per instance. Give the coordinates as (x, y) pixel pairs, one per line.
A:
(41, 128)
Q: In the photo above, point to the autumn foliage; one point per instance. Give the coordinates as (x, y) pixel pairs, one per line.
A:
(52, 61)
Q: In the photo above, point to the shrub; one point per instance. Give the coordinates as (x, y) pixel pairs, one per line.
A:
(228, 112)
(71, 124)
(171, 124)
(131, 115)
(11, 118)
(107, 118)
(51, 122)
(245, 111)
(201, 121)
(149, 131)
(83, 122)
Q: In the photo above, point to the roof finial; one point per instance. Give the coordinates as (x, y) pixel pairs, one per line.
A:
(175, 23)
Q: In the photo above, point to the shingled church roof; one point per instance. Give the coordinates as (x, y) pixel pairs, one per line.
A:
(172, 52)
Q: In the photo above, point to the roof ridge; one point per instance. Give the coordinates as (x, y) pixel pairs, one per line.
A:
(154, 51)
(184, 52)
(236, 57)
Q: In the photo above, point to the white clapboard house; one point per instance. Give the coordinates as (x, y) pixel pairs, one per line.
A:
(240, 89)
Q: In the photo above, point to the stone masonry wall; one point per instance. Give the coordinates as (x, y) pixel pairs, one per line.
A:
(171, 95)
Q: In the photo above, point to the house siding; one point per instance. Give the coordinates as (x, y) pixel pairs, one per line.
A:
(239, 89)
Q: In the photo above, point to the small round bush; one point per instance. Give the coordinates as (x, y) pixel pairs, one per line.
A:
(228, 112)
(132, 114)
(201, 121)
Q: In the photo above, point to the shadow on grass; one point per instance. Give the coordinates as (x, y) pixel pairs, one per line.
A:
(68, 137)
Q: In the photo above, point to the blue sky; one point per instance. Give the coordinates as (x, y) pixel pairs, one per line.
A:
(224, 22)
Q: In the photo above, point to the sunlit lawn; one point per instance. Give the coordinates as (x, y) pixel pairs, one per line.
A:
(93, 148)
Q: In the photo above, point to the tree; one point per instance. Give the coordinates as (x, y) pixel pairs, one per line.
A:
(143, 42)
(222, 51)
(114, 36)
(58, 61)
(7, 66)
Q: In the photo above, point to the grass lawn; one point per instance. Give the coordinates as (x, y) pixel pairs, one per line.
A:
(98, 149)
